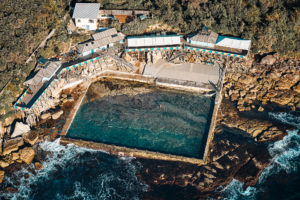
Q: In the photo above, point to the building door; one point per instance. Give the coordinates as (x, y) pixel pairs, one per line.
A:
(87, 27)
(93, 51)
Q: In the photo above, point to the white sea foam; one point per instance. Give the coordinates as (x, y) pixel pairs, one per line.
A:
(58, 158)
(286, 118)
(285, 154)
(235, 190)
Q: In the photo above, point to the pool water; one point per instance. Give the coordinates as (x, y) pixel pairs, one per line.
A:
(160, 121)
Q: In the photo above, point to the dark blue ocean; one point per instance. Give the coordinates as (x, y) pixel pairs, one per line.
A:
(72, 172)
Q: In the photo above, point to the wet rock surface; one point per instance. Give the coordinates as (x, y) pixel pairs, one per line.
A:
(1, 175)
(233, 156)
(12, 145)
(27, 154)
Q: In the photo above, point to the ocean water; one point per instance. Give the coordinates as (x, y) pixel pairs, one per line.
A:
(168, 122)
(281, 179)
(71, 172)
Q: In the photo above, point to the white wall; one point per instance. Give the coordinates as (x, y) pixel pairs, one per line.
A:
(201, 43)
(148, 41)
(83, 22)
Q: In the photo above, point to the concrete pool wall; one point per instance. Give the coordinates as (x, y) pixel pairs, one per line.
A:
(125, 151)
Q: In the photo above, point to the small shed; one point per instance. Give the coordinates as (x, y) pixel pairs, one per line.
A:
(44, 74)
(203, 38)
(233, 44)
(101, 41)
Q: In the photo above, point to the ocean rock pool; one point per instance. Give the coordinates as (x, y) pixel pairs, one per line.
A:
(156, 120)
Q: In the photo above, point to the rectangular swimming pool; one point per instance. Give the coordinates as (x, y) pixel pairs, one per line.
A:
(161, 121)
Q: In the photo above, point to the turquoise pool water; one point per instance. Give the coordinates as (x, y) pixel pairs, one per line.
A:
(160, 121)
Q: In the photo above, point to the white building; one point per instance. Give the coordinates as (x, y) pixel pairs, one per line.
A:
(233, 43)
(86, 15)
(154, 41)
(44, 74)
(101, 40)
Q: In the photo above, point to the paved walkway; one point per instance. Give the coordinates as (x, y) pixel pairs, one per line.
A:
(199, 73)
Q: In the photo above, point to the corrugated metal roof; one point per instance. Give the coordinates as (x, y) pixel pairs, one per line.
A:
(99, 43)
(116, 12)
(205, 36)
(147, 41)
(86, 10)
(235, 43)
(141, 12)
(44, 73)
(105, 33)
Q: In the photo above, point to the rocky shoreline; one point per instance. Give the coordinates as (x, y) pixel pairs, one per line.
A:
(239, 148)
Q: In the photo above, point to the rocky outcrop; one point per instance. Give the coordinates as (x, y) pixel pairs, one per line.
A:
(31, 137)
(12, 145)
(20, 129)
(2, 173)
(268, 60)
(15, 156)
(57, 114)
(27, 155)
(296, 88)
(3, 164)
(258, 85)
(232, 156)
(38, 165)
(45, 116)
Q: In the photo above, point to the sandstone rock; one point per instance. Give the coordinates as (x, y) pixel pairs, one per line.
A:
(3, 164)
(241, 102)
(20, 129)
(275, 74)
(15, 156)
(260, 109)
(45, 116)
(31, 137)
(297, 88)
(234, 97)
(235, 76)
(271, 134)
(2, 173)
(251, 96)
(271, 94)
(246, 80)
(283, 99)
(38, 165)
(57, 114)
(286, 82)
(12, 145)
(27, 155)
(242, 93)
(268, 60)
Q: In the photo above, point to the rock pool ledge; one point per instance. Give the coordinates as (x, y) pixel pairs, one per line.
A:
(129, 152)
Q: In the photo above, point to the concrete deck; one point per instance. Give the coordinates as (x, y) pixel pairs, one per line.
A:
(189, 72)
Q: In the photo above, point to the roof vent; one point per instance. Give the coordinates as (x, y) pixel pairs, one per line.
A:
(86, 44)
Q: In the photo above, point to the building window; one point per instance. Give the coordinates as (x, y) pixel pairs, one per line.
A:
(91, 21)
(78, 20)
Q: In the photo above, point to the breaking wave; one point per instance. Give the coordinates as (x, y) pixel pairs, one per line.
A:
(286, 118)
(280, 179)
(72, 172)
